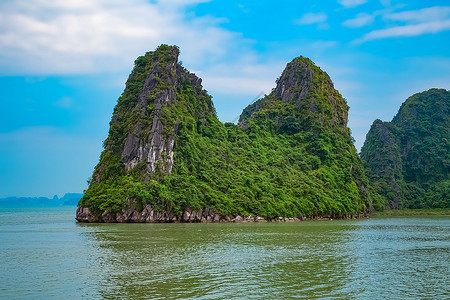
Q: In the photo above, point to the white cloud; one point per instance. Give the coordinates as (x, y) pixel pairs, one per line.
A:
(351, 3)
(312, 18)
(421, 15)
(245, 77)
(406, 31)
(44, 37)
(81, 36)
(404, 24)
(365, 19)
(239, 85)
(361, 20)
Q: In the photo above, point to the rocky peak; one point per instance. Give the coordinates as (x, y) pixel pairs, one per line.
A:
(295, 81)
(141, 131)
(158, 91)
(164, 65)
(310, 93)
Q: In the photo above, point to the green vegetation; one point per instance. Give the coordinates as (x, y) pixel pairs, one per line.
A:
(411, 212)
(408, 160)
(291, 153)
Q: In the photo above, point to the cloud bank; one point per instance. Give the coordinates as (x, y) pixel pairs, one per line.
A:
(429, 20)
(82, 36)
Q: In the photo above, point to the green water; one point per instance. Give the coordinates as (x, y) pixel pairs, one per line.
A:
(46, 255)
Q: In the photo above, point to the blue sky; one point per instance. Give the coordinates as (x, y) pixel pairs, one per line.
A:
(63, 64)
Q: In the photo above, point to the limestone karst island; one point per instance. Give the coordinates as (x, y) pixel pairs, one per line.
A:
(168, 158)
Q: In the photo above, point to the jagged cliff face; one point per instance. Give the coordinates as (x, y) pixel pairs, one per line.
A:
(295, 82)
(311, 94)
(407, 160)
(167, 157)
(386, 162)
(141, 130)
(304, 83)
(153, 147)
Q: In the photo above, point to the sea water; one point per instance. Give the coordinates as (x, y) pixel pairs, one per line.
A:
(45, 254)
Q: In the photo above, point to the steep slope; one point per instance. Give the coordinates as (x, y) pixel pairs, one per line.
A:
(168, 158)
(307, 112)
(408, 160)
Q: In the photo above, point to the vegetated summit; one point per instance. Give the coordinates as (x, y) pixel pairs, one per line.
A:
(168, 158)
(408, 159)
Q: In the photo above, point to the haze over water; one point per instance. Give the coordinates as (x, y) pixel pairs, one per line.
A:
(45, 254)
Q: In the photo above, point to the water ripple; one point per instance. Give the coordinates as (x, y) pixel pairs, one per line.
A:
(372, 259)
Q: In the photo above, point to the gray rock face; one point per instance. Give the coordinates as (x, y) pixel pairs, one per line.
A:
(295, 82)
(149, 140)
(160, 83)
(207, 215)
(299, 84)
(238, 219)
(85, 215)
(149, 215)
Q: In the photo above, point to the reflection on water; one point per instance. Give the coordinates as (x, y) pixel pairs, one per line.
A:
(224, 260)
(368, 259)
(45, 254)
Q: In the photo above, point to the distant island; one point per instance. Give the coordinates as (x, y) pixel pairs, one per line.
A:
(168, 158)
(407, 160)
(67, 199)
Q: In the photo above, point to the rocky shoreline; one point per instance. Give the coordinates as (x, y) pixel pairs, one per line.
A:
(206, 215)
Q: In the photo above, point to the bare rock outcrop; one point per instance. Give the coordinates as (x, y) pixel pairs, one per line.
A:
(150, 215)
(159, 86)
